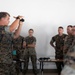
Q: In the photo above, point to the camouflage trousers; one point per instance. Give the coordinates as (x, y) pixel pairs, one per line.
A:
(18, 67)
(7, 69)
(16, 58)
(33, 60)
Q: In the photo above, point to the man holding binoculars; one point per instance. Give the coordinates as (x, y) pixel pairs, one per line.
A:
(7, 66)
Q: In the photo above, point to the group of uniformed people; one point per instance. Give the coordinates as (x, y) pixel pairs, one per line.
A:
(25, 49)
(14, 47)
(65, 50)
(69, 52)
(7, 67)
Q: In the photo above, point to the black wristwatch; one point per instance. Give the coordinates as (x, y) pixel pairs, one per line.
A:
(17, 18)
(22, 20)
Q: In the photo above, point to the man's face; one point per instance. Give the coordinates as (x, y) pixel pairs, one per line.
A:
(60, 31)
(31, 33)
(69, 30)
(5, 20)
(73, 31)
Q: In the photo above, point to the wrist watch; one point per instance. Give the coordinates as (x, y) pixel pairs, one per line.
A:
(17, 18)
(22, 20)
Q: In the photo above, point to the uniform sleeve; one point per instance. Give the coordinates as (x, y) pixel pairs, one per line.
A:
(66, 44)
(34, 41)
(53, 39)
(7, 30)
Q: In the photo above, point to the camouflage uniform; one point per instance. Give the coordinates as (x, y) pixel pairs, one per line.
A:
(67, 43)
(69, 68)
(6, 61)
(70, 56)
(18, 46)
(30, 53)
(59, 42)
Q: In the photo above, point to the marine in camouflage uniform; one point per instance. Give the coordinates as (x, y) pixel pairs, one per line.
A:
(59, 41)
(67, 43)
(7, 67)
(30, 52)
(6, 62)
(69, 68)
(59, 44)
(68, 40)
(71, 55)
(18, 46)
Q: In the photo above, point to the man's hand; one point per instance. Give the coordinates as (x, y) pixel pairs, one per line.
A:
(31, 45)
(17, 32)
(15, 24)
(24, 44)
(21, 17)
(20, 23)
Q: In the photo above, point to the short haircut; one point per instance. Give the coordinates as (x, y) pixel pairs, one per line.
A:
(69, 26)
(73, 26)
(61, 27)
(4, 14)
(31, 30)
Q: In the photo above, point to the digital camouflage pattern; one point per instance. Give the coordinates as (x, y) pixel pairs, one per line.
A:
(30, 53)
(18, 46)
(6, 61)
(59, 42)
(30, 40)
(7, 69)
(67, 43)
(70, 57)
(5, 46)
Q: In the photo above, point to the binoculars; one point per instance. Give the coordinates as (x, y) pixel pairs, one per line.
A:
(22, 20)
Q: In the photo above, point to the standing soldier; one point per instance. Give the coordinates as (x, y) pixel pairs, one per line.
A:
(6, 61)
(59, 43)
(69, 68)
(29, 44)
(68, 40)
(18, 47)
